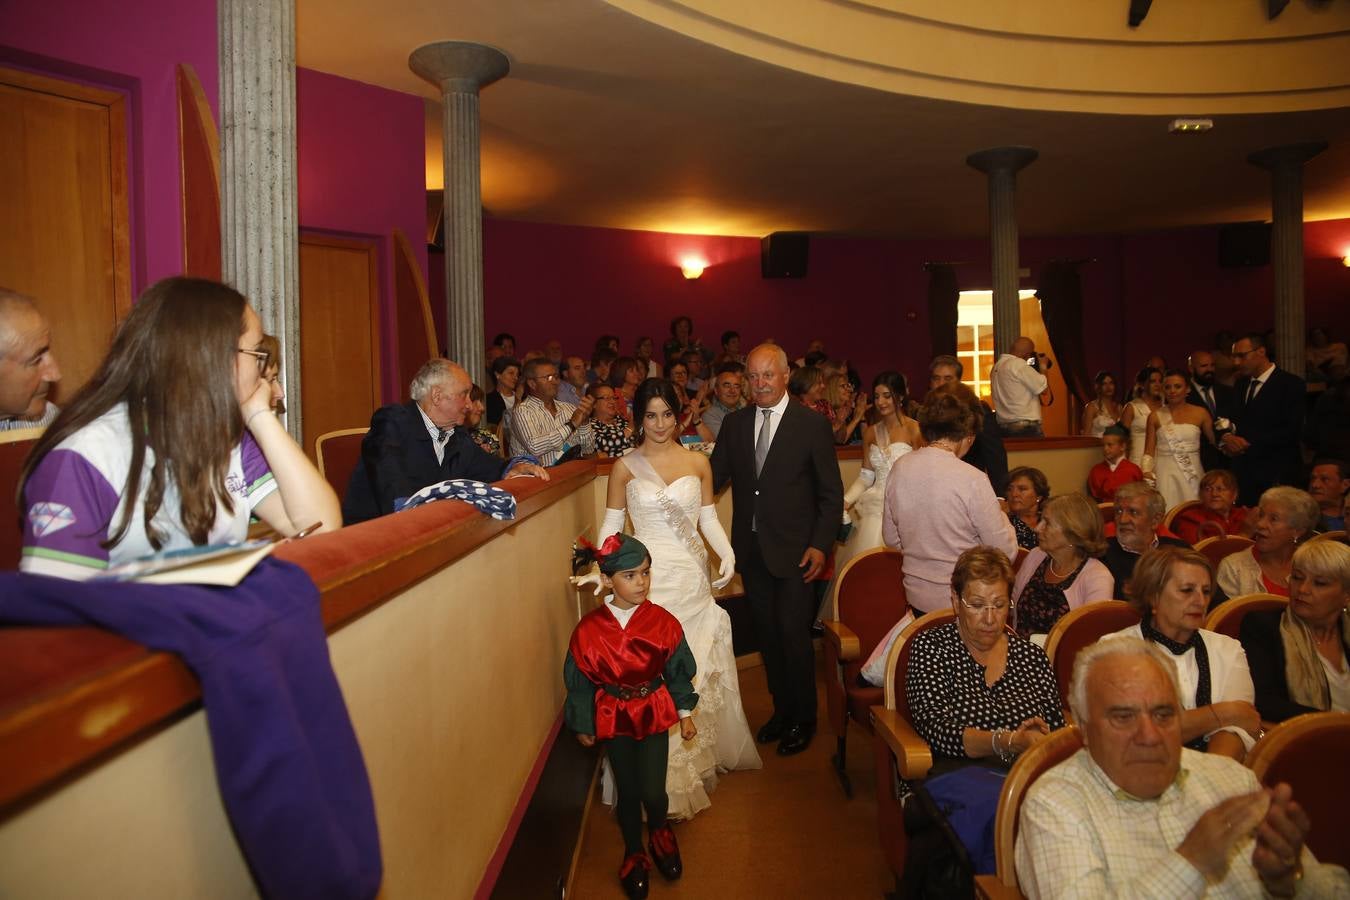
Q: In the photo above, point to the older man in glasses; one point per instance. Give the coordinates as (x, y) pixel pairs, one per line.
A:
(545, 427)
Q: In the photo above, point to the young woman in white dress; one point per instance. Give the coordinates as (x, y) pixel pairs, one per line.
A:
(1102, 411)
(1172, 442)
(667, 492)
(893, 435)
(1147, 398)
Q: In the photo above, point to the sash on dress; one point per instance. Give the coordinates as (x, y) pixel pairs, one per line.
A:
(672, 511)
(1183, 458)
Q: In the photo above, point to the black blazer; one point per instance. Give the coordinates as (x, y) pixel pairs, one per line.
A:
(1225, 407)
(988, 453)
(1273, 423)
(397, 460)
(1260, 637)
(796, 502)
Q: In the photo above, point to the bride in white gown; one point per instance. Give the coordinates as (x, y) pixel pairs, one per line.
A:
(1172, 445)
(667, 492)
(893, 435)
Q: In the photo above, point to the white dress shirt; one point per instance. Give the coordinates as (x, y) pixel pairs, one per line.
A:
(775, 419)
(1257, 384)
(1016, 389)
(439, 436)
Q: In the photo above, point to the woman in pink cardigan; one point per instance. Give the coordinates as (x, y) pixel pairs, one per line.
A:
(1061, 573)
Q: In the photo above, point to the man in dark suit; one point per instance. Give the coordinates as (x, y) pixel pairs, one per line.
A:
(1268, 416)
(788, 500)
(1219, 399)
(412, 445)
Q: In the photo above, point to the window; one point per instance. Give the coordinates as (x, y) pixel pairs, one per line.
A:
(975, 337)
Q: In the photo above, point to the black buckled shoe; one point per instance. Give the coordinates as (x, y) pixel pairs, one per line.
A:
(666, 853)
(635, 875)
(796, 739)
(771, 731)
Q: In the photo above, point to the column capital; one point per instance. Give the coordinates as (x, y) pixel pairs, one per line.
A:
(459, 66)
(1006, 159)
(1286, 155)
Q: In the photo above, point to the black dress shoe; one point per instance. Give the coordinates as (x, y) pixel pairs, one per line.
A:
(771, 731)
(666, 853)
(796, 739)
(634, 875)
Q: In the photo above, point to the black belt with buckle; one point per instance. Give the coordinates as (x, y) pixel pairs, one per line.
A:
(628, 693)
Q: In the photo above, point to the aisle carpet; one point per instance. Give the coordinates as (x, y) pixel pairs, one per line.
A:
(786, 830)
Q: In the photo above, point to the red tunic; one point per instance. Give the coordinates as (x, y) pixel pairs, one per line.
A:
(607, 653)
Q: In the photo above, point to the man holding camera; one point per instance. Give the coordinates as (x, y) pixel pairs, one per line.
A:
(1020, 389)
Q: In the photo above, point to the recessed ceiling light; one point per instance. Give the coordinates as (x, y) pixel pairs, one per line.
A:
(1186, 126)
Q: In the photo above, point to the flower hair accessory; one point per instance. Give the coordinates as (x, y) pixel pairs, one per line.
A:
(616, 553)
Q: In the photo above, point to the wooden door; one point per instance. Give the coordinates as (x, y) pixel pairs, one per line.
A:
(339, 334)
(64, 232)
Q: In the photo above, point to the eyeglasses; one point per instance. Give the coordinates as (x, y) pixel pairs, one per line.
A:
(262, 356)
(600, 397)
(982, 608)
(550, 377)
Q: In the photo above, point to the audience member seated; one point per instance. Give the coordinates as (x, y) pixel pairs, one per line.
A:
(807, 387)
(728, 396)
(731, 350)
(695, 366)
(506, 378)
(572, 383)
(1139, 513)
(506, 343)
(1328, 484)
(28, 367)
(1102, 411)
(846, 407)
(626, 374)
(1323, 354)
(1284, 517)
(423, 442)
(1027, 489)
(642, 352)
(272, 373)
(171, 444)
(1299, 655)
(486, 440)
(613, 434)
(1218, 514)
(1172, 587)
(602, 364)
(937, 507)
(813, 355)
(682, 340)
(987, 453)
(1136, 814)
(1134, 417)
(544, 427)
(1061, 573)
(977, 694)
(692, 405)
(1107, 476)
(553, 352)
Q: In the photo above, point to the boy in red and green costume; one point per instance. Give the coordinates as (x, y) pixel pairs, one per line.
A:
(629, 676)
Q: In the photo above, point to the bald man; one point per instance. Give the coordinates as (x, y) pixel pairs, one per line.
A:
(28, 368)
(1019, 388)
(423, 442)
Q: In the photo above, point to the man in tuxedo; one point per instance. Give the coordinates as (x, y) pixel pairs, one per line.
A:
(1268, 416)
(1217, 398)
(412, 445)
(788, 499)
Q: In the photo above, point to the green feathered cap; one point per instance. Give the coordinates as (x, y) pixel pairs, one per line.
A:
(619, 552)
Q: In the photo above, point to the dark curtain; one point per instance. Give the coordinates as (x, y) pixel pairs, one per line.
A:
(942, 299)
(1061, 295)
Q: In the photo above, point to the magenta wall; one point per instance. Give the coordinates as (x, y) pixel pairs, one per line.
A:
(361, 173)
(131, 47)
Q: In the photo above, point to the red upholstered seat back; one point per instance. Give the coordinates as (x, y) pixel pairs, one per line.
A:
(906, 646)
(12, 455)
(1309, 754)
(1215, 549)
(870, 599)
(337, 453)
(1081, 627)
(1227, 617)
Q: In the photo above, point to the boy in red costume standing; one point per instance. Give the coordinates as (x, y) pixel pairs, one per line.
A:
(629, 676)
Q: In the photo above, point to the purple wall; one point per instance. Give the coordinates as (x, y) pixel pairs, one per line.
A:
(131, 47)
(361, 173)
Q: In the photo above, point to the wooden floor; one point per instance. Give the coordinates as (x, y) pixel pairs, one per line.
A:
(786, 830)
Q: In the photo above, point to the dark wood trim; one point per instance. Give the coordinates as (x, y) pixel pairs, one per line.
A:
(120, 690)
(1068, 442)
(199, 177)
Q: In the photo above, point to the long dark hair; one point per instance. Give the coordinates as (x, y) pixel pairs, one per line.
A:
(172, 363)
(898, 386)
(649, 390)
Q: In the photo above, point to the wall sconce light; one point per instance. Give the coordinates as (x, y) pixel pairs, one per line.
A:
(692, 268)
(1345, 260)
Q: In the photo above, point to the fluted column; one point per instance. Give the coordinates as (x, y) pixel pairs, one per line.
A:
(460, 69)
(259, 224)
(1286, 245)
(1001, 165)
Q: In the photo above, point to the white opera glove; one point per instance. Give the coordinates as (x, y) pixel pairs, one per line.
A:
(717, 540)
(1146, 465)
(591, 577)
(612, 524)
(866, 478)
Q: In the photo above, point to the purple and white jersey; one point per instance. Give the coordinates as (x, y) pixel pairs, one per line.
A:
(75, 498)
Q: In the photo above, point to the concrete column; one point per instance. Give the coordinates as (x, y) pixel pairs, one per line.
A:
(259, 224)
(460, 69)
(1286, 245)
(1001, 164)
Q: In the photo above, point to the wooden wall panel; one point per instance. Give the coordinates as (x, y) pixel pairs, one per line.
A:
(339, 334)
(416, 330)
(199, 168)
(65, 232)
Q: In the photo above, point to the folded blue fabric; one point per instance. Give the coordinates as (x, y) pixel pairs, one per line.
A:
(288, 765)
(486, 498)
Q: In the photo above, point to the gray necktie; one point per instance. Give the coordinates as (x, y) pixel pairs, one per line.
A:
(762, 442)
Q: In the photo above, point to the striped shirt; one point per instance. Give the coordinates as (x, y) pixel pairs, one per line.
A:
(41, 421)
(537, 432)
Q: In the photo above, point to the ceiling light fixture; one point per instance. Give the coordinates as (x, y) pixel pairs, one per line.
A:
(1189, 126)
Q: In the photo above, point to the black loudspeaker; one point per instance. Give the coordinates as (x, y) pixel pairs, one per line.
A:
(1244, 244)
(783, 254)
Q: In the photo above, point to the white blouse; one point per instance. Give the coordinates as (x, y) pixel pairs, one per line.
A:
(1338, 682)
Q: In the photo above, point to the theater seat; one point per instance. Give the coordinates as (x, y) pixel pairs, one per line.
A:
(1309, 753)
(1216, 548)
(1078, 629)
(869, 599)
(1227, 617)
(1330, 536)
(14, 449)
(337, 453)
(1176, 511)
(1108, 511)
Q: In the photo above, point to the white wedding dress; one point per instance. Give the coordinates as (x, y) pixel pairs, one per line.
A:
(1176, 462)
(680, 585)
